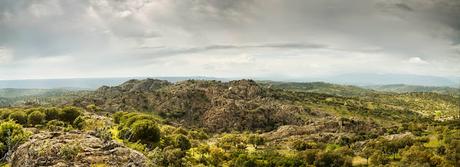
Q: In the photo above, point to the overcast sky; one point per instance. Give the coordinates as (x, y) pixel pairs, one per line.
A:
(228, 38)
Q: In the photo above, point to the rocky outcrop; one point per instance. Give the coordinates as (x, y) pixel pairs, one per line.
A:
(73, 149)
(217, 106)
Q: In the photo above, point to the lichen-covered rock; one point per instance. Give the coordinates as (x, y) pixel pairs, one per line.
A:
(73, 149)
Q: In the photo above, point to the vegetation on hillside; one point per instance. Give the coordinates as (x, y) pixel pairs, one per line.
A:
(38, 97)
(401, 88)
(243, 123)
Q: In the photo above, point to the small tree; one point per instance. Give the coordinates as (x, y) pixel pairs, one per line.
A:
(36, 117)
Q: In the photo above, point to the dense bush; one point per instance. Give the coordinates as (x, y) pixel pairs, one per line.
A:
(145, 131)
(19, 117)
(69, 114)
(51, 113)
(135, 118)
(36, 117)
(69, 151)
(378, 158)
(137, 127)
(55, 125)
(11, 135)
(117, 116)
(79, 122)
(327, 159)
(182, 142)
(5, 113)
(255, 140)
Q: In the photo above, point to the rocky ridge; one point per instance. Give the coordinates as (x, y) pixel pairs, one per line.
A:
(217, 106)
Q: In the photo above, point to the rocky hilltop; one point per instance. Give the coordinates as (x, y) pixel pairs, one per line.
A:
(217, 106)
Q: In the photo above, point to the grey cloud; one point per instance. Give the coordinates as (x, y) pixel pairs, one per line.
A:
(166, 51)
(110, 33)
(404, 6)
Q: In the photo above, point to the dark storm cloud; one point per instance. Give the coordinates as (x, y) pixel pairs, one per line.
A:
(94, 37)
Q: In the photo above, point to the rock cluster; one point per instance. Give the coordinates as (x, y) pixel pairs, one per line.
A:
(73, 149)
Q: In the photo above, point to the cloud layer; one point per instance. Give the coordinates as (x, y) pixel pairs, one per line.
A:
(228, 38)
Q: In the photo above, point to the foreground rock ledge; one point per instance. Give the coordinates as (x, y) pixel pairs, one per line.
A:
(73, 149)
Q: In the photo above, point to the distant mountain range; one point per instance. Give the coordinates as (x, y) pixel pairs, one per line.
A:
(401, 88)
(348, 79)
(82, 83)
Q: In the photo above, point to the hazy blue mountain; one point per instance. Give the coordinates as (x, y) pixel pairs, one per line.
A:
(390, 79)
(348, 79)
(401, 88)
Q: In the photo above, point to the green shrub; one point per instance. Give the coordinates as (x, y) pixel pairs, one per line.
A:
(117, 116)
(5, 113)
(308, 156)
(55, 125)
(11, 136)
(93, 108)
(299, 145)
(378, 158)
(36, 117)
(182, 142)
(256, 140)
(145, 131)
(19, 117)
(69, 114)
(51, 113)
(126, 116)
(326, 159)
(135, 118)
(69, 151)
(79, 122)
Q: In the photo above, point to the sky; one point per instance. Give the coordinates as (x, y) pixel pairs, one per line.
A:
(228, 38)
